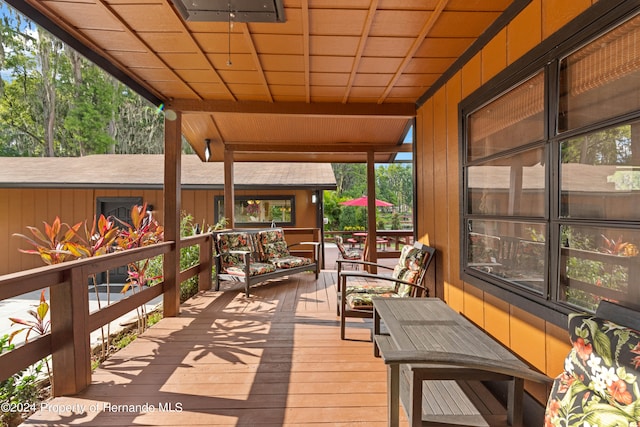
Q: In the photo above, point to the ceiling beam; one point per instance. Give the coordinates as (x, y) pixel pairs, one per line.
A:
(270, 147)
(361, 44)
(130, 31)
(336, 109)
(256, 60)
(304, 4)
(426, 28)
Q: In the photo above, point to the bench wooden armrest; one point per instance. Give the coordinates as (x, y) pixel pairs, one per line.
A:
(305, 243)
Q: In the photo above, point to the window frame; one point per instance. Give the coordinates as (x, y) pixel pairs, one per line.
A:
(547, 57)
(291, 198)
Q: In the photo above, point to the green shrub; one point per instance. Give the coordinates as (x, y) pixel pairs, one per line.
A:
(21, 390)
(189, 256)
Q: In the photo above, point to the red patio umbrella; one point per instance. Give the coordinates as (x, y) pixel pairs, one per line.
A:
(364, 201)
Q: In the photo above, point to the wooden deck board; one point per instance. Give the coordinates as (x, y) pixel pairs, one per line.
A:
(273, 359)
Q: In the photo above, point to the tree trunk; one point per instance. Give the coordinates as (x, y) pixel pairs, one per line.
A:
(45, 46)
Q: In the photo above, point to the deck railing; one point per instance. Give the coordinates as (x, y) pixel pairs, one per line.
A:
(68, 343)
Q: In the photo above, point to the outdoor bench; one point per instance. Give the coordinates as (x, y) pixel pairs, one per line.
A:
(437, 361)
(254, 256)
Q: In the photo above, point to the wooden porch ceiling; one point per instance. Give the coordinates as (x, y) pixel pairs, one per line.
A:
(337, 79)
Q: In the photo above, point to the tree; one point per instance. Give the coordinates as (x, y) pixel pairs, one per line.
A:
(351, 178)
(90, 109)
(48, 51)
(57, 103)
(394, 183)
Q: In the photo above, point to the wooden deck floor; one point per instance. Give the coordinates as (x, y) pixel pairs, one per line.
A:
(274, 359)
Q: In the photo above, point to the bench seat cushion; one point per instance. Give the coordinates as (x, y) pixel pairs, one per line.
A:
(359, 295)
(255, 269)
(363, 300)
(290, 261)
(600, 382)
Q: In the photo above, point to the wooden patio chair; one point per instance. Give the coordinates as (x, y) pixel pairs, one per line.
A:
(347, 254)
(406, 280)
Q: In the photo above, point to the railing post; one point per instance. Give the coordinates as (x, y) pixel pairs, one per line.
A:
(70, 348)
(206, 261)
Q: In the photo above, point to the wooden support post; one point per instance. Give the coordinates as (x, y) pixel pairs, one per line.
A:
(371, 211)
(229, 196)
(172, 202)
(206, 262)
(70, 346)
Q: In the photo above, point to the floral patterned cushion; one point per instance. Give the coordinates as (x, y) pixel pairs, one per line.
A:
(255, 268)
(370, 287)
(359, 295)
(290, 261)
(272, 244)
(362, 301)
(410, 276)
(409, 268)
(234, 241)
(600, 384)
(412, 258)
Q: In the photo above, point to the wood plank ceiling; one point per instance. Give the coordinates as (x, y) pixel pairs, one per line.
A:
(337, 79)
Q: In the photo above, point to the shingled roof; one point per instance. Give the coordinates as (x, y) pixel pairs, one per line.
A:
(147, 171)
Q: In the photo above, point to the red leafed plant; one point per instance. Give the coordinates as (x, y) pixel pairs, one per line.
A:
(52, 247)
(59, 242)
(618, 247)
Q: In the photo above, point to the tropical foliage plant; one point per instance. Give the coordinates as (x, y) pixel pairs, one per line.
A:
(59, 242)
(39, 324)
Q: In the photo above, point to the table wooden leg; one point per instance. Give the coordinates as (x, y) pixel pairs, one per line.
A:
(376, 331)
(393, 394)
(515, 403)
(415, 400)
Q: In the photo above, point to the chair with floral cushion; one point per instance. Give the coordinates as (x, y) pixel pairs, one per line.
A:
(347, 254)
(356, 289)
(599, 386)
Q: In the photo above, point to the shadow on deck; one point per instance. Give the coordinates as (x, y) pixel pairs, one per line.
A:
(274, 359)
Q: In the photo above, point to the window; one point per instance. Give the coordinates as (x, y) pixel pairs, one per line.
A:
(505, 180)
(259, 210)
(552, 189)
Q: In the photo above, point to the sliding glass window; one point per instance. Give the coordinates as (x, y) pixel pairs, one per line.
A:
(551, 175)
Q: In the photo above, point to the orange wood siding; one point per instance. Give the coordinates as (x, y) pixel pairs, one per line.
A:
(556, 13)
(438, 207)
(24, 207)
(524, 32)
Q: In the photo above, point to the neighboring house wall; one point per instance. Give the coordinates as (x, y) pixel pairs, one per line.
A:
(24, 207)
(541, 343)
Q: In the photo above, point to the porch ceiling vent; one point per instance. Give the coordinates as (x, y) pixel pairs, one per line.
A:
(240, 10)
